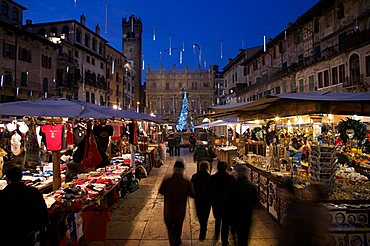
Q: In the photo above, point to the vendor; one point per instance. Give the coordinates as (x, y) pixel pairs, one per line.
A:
(295, 149)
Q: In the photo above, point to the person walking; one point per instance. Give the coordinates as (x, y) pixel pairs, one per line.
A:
(220, 183)
(176, 190)
(200, 154)
(212, 156)
(242, 200)
(177, 144)
(192, 142)
(171, 144)
(24, 212)
(200, 182)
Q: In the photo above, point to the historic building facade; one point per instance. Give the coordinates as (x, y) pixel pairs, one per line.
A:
(28, 62)
(132, 29)
(165, 88)
(82, 52)
(120, 77)
(325, 49)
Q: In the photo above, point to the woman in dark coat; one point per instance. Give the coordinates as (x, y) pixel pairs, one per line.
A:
(200, 182)
(220, 184)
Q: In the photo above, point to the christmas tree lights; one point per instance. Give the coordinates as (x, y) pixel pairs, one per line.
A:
(181, 122)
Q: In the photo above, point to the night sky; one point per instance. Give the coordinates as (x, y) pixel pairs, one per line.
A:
(217, 27)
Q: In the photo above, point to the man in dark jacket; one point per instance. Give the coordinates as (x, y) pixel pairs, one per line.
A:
(192, 142)
(220, 184)
(200, 182)
(171, 144)
(176, 190)
(242, 200)
(201, 154)
(24, 211)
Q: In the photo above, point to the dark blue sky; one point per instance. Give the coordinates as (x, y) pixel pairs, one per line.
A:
(232, 24)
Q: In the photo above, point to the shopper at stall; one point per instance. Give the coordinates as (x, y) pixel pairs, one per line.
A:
(23, 211)
(201, 153)
(212, 157)
(306, 223)
(242, 200)
(220, 183)
(176, 190)
(200, 182)
(177, 144)
(171, 144)
(192, 142)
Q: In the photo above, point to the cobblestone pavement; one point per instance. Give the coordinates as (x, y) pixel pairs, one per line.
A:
(137, 219)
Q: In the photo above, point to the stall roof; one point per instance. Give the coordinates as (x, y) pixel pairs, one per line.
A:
(61, 107)
(297, 104)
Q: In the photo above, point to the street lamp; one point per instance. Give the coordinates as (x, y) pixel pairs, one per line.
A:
(200, 52)
(137, 106)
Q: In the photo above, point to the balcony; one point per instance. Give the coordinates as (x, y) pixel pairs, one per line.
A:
(354, 84)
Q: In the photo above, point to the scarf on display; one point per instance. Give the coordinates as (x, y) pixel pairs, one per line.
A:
(92, 156)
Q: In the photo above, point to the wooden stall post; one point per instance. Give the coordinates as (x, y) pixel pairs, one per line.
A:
(56, 169)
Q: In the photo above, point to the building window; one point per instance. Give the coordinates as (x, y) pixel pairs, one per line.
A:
(194, 86)
(77, 54)
(45, 61)
(342, 73)
(65, 30)
(45, 85)
(101, 65)
(88, 59)
(8, 78)
(167, 86)
(78, 35)
(100, 48)
(326, 78)
(92, 97)
(180, 85)
(102, 100)
(15, 14)
(87, 96)
(320, 80)
(8, 50)
(94, 44)
(301, 85)
(236, 77)
(87, 40)
(24, 78)
(93, 61)
(206, 85)
(24, 55)
(293, 87)
(311, 83)
(367, 61)
(316, 26)
(340, 10)
(245, 70)
(153, 85)
(5, 8)
(277, 90)
(334, 76)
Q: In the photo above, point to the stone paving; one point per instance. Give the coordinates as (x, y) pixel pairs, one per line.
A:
(137, 219)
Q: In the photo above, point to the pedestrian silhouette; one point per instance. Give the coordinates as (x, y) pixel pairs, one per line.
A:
(242, 200)
(200, 182)
(176, 190)
(220, 183)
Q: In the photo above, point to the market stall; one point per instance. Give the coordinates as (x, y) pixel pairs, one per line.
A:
(312, 138)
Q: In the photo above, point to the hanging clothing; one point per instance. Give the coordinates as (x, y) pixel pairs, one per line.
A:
(79, 132)
(53, 134)
(70, 139)
(102, 133)
(117, 130)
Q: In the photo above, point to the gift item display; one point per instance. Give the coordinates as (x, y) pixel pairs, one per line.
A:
(97, 162)
(331, 150)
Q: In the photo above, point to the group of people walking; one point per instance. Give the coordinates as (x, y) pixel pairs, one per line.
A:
(232, 200)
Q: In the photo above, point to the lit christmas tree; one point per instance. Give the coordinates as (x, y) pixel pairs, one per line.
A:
(181, 122)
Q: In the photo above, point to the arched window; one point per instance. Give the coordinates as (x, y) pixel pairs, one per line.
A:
(87, 40)
(354, 69)
(45, 85)
(5, 8)
(15, 14)
(100, 48)
(65, 30)
(78, 35)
